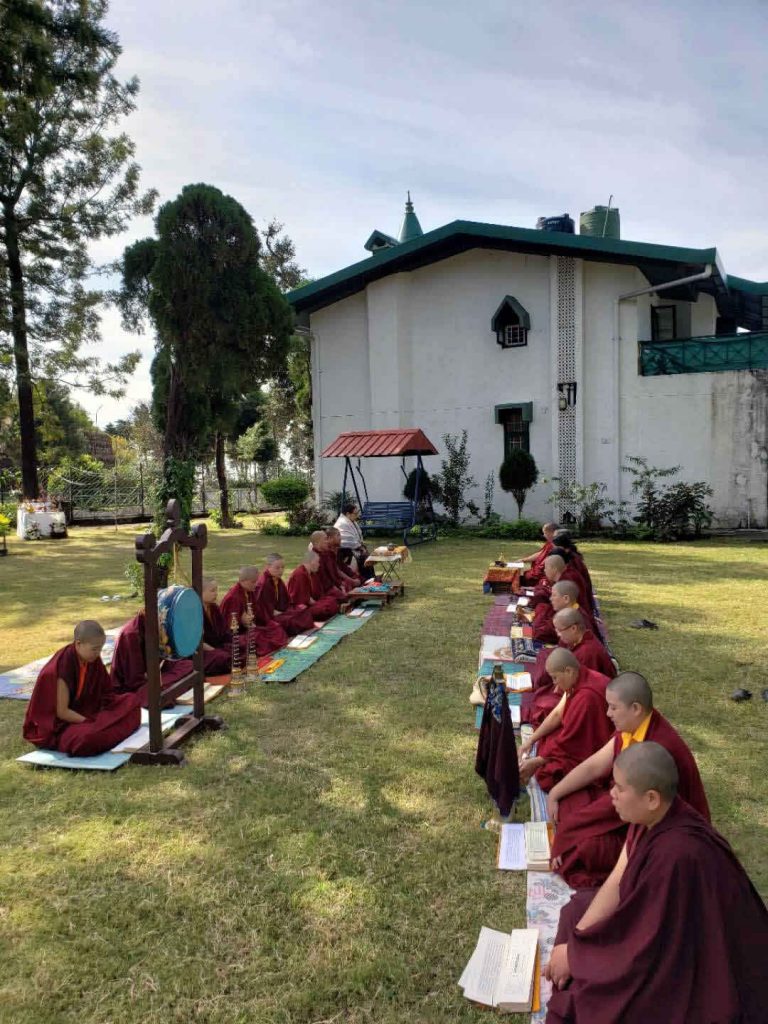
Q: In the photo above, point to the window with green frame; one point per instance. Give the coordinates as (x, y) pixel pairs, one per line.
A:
(516, 422)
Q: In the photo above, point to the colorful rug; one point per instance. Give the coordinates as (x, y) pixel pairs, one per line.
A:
(546, 895)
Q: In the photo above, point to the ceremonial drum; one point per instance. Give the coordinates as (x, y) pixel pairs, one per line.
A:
(180, 617)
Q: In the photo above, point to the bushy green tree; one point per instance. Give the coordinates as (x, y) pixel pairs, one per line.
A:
(219, 320)
(518, 473)
(66, 179)
(455, 480)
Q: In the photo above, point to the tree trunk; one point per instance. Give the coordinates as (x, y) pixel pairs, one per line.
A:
(29, 483)
(221, 475)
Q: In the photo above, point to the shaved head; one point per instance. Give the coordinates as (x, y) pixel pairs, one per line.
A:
(561, 659)
(567, 589)
(568, 617)
(553, 567)
(209, 581)
(248, 573)
(274, 557)
(311, 557)
(331, 531)
(649, 766)
(89, 632)
(632, 688)
(318, 538)
(550, 528)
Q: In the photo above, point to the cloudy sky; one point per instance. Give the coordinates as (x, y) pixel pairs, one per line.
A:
(323, 114)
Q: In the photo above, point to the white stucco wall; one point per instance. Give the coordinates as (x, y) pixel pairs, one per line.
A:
(417, 350)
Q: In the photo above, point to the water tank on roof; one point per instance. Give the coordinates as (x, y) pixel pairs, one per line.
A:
(601, 222)
(564, 224)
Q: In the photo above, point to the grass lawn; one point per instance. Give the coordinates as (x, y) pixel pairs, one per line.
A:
(321, 861)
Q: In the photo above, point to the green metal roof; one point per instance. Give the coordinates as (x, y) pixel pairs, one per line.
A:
(746, 301)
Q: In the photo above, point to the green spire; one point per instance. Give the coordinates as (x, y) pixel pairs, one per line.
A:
(410, 228)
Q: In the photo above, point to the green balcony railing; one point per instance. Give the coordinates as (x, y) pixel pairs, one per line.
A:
(704, 355)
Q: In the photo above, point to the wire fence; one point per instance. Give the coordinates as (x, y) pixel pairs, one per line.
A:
(91, 497)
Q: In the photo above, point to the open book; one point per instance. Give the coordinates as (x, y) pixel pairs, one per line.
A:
(301, 641)
(524, 847)
(501, 971)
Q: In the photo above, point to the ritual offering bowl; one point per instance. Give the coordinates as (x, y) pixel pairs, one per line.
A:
(180, 617)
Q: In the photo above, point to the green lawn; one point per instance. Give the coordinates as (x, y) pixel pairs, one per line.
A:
(321, 860)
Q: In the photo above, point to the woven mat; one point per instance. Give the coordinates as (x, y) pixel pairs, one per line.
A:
(546, 895)
(332, 633)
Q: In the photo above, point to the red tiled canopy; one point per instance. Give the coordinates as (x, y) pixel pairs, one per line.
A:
(378, 443)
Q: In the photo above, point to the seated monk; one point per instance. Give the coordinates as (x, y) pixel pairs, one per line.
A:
(73, 707)
(535, 572)
(330, 580)
(565, 594)
(305, 588)
(348, 574)
(553, 567)
(558, 566)
(217, 636)
(239, 601)
(677, 932)
(128, 670)
(575, 636)
(564, 540)
(273, 604)
(590, 834)
(575, 729)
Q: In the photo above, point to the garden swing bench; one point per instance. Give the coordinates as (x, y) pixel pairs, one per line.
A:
(396, 516)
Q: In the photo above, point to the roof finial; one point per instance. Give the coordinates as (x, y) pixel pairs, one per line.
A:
(410, 227)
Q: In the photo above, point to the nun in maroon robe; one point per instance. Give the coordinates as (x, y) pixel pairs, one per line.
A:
(590, 653)
(269, 636)
(542, 628)
(128, 670)
(590, 834)
(585, 729)
(535, 573)
(272, 603)
(110, 717)
(687, 943)
(304, 587)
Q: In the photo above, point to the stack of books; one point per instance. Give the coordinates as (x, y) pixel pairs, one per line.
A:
(524, 847)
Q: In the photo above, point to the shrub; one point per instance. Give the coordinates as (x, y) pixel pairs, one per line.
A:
(592, 506)
(428, 485)
(518, 474)
(8, 509)
(670, 511)
(286, 491)
(454, 481)
(307, 519)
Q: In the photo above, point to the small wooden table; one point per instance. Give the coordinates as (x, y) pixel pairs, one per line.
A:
(389, 565)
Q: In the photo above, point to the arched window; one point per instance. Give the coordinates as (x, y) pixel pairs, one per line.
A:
(511, 323)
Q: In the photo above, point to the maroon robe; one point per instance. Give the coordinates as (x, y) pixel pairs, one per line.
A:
(268, 634)
(542, 627)
(111, 717)
(270, 596)
(218, 661)
(304, 587)
(577, 560)
(331, 580)
(536, 571)
(687, 944)
(585, 729)
(128, 670)
(589, 651)
(590, 834)
(541, 594)
(572, 573)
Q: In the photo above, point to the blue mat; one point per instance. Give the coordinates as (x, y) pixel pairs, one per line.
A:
(55, 759)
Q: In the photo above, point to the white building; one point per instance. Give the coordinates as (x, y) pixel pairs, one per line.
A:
(583, 349)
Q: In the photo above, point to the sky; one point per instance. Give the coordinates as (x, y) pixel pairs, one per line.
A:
(323, 114)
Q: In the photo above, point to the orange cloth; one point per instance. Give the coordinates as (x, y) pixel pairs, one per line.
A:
(82, 669)
(628, 738)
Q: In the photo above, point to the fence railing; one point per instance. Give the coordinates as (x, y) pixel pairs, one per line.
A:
(714, 354)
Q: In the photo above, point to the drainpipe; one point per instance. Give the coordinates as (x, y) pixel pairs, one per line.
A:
(703, 276)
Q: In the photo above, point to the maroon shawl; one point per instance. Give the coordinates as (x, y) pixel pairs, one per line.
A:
(585, 729)
(688, 942)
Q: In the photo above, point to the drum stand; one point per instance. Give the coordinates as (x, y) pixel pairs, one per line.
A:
(165, 749)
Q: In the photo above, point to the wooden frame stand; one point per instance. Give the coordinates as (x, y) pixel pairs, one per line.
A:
(160, 749)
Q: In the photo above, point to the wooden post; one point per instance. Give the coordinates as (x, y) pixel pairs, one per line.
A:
(164, 750)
